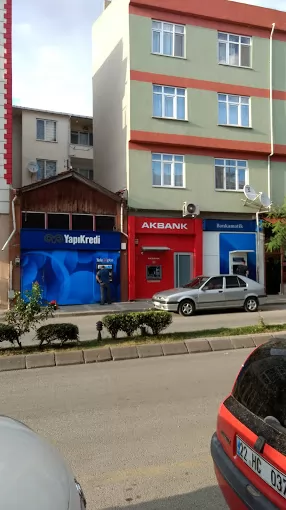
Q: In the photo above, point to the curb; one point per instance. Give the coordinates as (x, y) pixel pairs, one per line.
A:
(102, 354)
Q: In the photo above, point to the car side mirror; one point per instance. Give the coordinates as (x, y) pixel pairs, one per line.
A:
(203, 289)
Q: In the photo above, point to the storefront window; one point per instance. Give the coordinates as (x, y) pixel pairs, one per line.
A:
(154, 272)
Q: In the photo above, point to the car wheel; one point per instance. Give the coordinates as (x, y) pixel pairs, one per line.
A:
(187, 308)
(251, 304)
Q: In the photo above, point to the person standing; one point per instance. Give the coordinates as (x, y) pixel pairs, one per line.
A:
(242, 269)
(103, 279)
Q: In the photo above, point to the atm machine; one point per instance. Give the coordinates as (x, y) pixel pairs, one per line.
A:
(237, 258)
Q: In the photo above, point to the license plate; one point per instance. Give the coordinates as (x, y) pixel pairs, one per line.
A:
(261, 467)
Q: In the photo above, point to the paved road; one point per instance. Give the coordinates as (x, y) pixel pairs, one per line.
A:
(136, 433)
(274, 314)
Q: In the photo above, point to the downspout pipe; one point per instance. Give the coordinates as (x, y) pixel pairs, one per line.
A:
(271, 111)
(14, 223)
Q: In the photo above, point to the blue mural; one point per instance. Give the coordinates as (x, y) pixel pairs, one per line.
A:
(68, 277)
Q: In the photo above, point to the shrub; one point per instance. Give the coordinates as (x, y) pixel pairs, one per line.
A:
(112, 323)
(9, 334)
(156, 321)
(57, 332)
(27, 311)
(129, 323)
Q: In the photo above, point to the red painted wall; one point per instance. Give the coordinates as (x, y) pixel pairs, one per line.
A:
(179, 235)
(8, 90)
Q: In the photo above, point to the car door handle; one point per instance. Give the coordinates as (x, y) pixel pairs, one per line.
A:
(220, 291)
(245, 290)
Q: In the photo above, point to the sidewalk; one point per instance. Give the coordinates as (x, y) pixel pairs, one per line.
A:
(130, 306)
(97, 309)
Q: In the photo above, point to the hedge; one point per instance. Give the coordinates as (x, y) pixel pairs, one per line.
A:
(9, 334)
(129, 323)
(57, 332)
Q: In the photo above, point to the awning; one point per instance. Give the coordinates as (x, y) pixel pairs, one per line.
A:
(155, 248)
(242, 251)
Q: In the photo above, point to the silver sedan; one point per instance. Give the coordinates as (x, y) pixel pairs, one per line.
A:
(212, 293)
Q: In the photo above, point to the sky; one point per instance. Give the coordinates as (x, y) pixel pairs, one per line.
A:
(52, 52)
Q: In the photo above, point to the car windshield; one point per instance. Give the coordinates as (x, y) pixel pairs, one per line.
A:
(196, 283)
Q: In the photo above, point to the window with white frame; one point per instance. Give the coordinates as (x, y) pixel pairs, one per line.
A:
(168, 39)
(233, 110)
(46, 130)
(169, 102)
(231, 174)
(46, 168)
(234, 50)
(168, 170)
(82, 138)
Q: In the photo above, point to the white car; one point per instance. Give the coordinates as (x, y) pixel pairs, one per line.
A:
(212, 293)
(33, 474)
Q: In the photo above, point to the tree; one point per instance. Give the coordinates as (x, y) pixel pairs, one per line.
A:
(28, 312)
(276, 222)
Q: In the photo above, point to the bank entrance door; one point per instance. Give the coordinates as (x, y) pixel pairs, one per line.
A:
(183, 264)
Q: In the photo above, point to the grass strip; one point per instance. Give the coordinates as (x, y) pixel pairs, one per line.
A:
(137, 340)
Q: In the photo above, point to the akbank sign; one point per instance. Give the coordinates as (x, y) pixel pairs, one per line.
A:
(32, 239)
(164, 226)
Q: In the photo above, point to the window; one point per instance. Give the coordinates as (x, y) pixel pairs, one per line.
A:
(46, 130)
(168, 170)
(234, 50)
(105, 223)
(215, 283)
(169, 102)
(168, 39)
(154, 273)
(241, 282)
(232, 282)
(82, 138)
(230, 174)
(87, 173)
(233, 110)
(82, 222)
(58, 221)
(33, 220)
(46, 168)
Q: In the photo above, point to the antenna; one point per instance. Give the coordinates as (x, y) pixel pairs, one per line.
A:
(33, 167)
(265, 200)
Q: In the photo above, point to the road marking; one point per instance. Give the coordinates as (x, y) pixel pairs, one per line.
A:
(151, 471)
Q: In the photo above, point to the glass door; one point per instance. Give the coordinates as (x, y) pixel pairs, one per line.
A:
(183, 264)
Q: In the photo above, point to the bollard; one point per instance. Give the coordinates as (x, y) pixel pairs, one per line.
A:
(99, 327)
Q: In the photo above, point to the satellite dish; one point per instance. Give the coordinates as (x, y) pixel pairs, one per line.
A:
(33, 167)
(265, 200)
(250, 193)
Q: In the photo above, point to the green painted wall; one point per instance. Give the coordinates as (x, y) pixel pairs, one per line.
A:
(278, 182)
(200, 185)
(202, 115)
(202, 57)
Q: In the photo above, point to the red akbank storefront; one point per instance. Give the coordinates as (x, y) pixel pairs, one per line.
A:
(163, 253)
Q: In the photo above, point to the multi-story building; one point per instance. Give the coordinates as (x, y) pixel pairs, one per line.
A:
(48, 143)
(5, 142)
(66, 226)
(189, 104)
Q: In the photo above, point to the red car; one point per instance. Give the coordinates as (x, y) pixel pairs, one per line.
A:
(249, 446)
